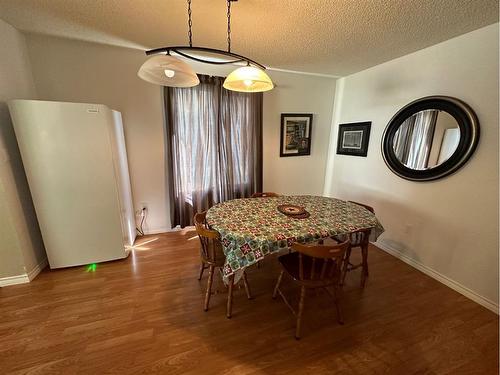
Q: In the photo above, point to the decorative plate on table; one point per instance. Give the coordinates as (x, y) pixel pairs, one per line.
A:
(297, 212)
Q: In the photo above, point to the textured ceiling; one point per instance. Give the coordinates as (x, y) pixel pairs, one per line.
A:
(335, 37)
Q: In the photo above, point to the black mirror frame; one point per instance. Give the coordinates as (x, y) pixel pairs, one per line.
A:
(469, 137)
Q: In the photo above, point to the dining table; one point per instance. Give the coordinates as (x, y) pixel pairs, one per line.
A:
(253, 228)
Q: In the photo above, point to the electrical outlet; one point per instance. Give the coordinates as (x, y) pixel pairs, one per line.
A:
(142, 209)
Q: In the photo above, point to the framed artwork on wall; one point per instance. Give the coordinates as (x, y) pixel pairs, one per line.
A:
(295, 139)
(353, 138)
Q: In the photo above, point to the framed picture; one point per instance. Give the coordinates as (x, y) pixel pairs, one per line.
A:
(295, 137)
(353, 138)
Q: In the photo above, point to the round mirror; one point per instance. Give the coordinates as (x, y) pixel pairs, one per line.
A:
(430, 138)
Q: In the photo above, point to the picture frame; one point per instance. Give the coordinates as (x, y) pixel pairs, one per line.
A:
(353, 138)
(296, 130)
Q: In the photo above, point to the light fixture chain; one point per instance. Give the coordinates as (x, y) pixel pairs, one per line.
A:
(228, 25)
(190, 24)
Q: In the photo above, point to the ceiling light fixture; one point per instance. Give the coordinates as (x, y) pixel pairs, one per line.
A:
(166, 70)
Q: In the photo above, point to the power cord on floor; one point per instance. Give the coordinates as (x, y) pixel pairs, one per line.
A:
(143, 215)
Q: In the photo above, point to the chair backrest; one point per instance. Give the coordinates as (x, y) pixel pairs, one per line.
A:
(265, 195)
(211, 247)
(320, 262)
(361, 237)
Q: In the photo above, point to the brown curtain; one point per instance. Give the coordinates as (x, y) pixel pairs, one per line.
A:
(214, 146)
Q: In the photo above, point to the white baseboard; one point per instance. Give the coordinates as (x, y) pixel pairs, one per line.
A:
(37, 269)
(14, 280)
(158, 230)
(490, 305)
(25, 278)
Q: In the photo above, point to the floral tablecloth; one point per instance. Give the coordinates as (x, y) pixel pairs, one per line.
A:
(251, 228)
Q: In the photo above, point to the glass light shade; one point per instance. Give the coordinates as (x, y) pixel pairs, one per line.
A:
(167, 70)
(248, 79)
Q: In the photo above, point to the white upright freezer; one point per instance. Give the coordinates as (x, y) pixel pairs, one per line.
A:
(75, 160)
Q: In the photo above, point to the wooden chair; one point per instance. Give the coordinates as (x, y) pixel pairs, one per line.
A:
(313, 267)
(265, 195)
(359, 239)
(213, 258)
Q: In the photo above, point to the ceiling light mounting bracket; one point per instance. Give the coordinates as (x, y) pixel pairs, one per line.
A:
(184, 52)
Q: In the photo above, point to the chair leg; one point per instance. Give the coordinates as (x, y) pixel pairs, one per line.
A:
(209, 287)
(346, 263)
(247, 287)
(299, 313)
(202, 268)
(276, 288)
(229, 307)
(364, 268)
(340, 315)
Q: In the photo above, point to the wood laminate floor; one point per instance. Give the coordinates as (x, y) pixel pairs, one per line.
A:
(143, 315)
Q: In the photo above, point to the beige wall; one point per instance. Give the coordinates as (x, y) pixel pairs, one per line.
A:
(297, 94)
(448, 226)
(21, 247)
(69, 70)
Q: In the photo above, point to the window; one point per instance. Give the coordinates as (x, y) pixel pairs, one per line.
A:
(214, 146)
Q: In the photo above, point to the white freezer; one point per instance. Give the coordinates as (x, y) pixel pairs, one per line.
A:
(76, 164)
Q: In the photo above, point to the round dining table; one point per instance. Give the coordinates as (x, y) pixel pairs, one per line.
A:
(252, 228)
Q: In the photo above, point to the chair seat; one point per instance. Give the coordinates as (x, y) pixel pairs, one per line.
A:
(290, 263)
(214, 255)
